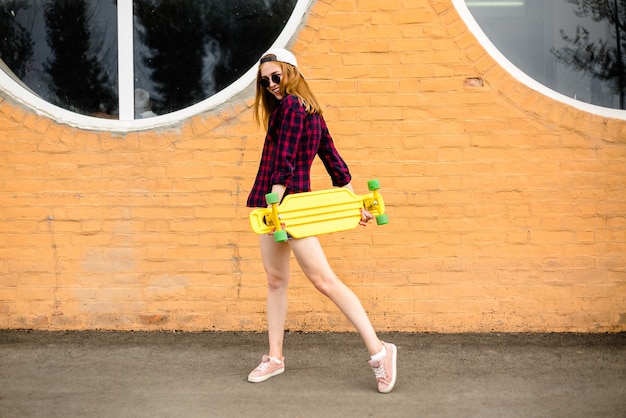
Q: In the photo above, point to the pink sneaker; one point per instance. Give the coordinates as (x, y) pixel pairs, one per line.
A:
(385, 369)
(269, 367)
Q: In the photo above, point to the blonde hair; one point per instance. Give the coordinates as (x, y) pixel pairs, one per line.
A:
(291, 83)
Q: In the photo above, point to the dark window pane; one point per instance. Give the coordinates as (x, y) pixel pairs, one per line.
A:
(65, 51)
(188, 50)
(576, 47)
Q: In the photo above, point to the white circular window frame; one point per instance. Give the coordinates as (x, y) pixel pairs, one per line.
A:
(518, 74)
(24, 96)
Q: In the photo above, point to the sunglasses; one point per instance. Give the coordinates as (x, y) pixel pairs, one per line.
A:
(265, 82)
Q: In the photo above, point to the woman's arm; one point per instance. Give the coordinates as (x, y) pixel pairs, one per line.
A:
(279, 189)
(334, 164)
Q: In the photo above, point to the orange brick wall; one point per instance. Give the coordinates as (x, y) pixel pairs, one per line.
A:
(507, 209)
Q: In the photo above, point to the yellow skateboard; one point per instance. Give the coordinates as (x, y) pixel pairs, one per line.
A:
(314, 213)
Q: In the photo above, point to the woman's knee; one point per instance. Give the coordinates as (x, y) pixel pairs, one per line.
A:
(276, 281)
(325, 284)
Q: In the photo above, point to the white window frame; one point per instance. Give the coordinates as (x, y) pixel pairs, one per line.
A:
(519, 75)
(16, 91)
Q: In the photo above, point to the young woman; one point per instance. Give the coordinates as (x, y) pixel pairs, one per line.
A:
(296, 133)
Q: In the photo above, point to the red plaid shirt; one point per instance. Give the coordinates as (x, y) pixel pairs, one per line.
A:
(292, 141)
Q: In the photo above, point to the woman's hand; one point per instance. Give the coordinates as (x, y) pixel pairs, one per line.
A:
(365, 217)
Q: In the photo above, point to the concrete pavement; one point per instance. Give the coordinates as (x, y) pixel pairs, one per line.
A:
(166, 374)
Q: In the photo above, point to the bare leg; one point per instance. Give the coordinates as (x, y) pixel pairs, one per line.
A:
(312, 260)
(276, 263)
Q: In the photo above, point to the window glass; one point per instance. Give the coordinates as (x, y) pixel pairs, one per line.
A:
(185, 51)
(63, 51)
(575, 47)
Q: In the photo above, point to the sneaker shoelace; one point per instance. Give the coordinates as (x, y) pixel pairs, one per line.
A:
(264, 365)
(380, 371)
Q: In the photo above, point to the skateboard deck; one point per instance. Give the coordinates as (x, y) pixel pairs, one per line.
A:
(314, 213)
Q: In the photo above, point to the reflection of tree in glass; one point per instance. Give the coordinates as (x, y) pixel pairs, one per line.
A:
(196, 48)
(16, 47)
(174, 34)
(246, 29)
(599, 59)
(79, 82)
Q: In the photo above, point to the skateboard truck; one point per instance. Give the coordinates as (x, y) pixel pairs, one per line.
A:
(280, 235)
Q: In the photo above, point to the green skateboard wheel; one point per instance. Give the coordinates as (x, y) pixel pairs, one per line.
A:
(271, 198)
(280, 236)
(382, 219)
(373, 185)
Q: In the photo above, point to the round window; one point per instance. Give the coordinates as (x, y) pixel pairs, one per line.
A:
(574, 47)
(116, 63)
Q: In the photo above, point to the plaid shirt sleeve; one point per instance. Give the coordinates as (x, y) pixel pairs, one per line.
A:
(335, 165)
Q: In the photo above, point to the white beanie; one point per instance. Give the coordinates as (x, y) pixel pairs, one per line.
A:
(281, 54)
